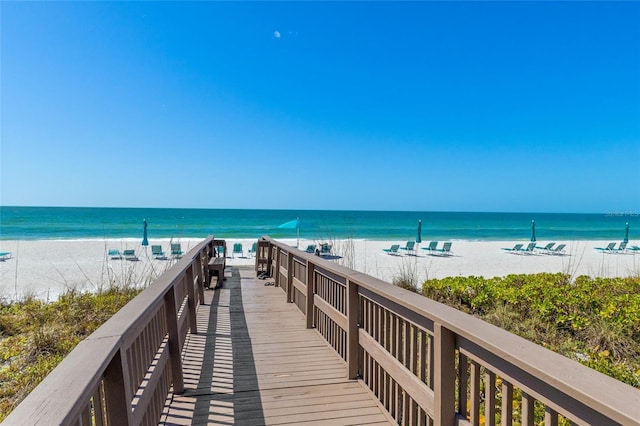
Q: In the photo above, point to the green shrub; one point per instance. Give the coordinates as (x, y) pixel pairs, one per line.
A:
(593, 320)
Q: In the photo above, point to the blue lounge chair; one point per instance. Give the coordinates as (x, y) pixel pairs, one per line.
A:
(622, 248)
(516, 249)
(433, 245)
(410, 247)
(311, 248)
(529, 249)
(176, 250)
(114, 254)
(608, 249)
(634, 249)
(5, 255)
(325, 249)
(253, 249)
(546, 248)
(559, 250)
(237, 249)
(393, 249)
(157, 253)
(130, 255)
(445, 250)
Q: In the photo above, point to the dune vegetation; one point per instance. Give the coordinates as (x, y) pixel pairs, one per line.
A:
(595, 321)
(35, 336)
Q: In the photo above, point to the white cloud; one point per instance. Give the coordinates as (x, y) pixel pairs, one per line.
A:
(276, 34)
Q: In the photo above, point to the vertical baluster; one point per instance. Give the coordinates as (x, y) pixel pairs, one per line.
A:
(475, 394)
(174, 342)
(463, 383)
(191, 299)
(200, 274)
(276, 273)
(550, 417)
(353, 345)
(527, 409)
(490, 398)
(507, 403)
(408, 344)
(289, 277)
(423, 356)
(310, 290)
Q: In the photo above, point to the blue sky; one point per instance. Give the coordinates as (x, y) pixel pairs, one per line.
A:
(427, 106)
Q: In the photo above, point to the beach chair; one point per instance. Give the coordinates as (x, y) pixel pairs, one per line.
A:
(253, 249)
(114, 254)
(546, 248)
(529, 249)
(325, 249)
(433, 245)
(311, 248)
(393, 249)
(176, 250)
(237, 249)
(445, 250)
(559, 250)
(516, 249)
(608, 249)
(410, 247)
(157, 253)
(5, 255)
(130, 255)
(621, 248)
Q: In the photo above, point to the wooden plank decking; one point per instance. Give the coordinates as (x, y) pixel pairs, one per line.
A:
(253, 362)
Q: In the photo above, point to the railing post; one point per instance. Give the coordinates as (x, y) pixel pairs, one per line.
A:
(444, 375)
(311, 268)
(191, 299)
(174, 341)
(117, 397)
(353, 320)
(289, 277)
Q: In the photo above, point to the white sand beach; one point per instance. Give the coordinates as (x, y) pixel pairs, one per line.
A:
(47, 268)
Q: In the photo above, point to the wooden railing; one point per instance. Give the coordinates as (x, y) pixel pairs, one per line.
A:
(431, 364)
(121, 374)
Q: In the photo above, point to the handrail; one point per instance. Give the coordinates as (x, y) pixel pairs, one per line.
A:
(418, 356)
(122, 373)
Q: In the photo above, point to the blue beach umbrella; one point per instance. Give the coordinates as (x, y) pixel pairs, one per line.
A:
(293, 224)
(419, 238)
(533, 231)
(145, 242)
(626, 233)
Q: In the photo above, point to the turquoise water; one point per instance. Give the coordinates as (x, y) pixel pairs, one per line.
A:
(33, 223)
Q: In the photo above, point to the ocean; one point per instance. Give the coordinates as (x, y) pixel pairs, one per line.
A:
(37, 223)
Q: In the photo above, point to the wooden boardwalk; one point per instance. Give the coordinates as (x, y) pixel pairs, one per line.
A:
(253, 362)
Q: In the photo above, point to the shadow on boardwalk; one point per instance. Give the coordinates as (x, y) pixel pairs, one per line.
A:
(218, 364)
(255, 363)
